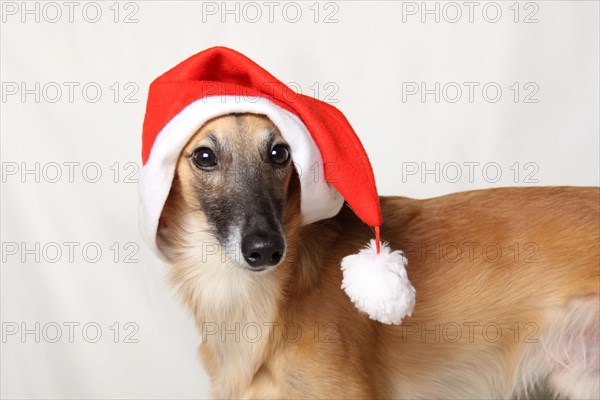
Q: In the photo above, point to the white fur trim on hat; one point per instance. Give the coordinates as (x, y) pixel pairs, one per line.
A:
(319, 200)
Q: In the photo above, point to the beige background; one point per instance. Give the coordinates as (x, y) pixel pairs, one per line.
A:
(362, 59)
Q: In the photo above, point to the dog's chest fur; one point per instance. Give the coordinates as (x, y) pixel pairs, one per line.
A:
(235, 310)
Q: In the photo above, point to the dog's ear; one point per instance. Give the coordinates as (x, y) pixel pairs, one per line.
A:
(169, 229)
(165, 242)
(293, 190)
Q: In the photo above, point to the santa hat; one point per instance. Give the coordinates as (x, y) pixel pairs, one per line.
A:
(220, 81)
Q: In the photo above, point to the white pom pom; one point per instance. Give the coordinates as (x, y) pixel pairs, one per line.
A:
(378, 284)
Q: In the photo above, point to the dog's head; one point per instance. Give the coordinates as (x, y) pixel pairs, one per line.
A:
(233, 182)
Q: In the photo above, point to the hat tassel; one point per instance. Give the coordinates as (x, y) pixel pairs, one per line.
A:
(376, 281)
(378, 239)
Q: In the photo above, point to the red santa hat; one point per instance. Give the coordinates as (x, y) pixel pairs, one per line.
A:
(220, 81)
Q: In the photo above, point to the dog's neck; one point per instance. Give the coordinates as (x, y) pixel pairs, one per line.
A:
(240, 313)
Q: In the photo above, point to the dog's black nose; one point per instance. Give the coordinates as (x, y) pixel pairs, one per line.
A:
(262, 250)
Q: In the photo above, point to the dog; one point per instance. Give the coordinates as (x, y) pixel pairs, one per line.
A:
(507, 283)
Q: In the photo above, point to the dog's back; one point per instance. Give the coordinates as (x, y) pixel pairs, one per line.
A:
(507, 287)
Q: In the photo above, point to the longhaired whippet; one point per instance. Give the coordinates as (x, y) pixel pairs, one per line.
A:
(482, 327)
(507, 282)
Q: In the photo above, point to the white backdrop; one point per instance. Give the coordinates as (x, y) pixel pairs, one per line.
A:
(491, 94)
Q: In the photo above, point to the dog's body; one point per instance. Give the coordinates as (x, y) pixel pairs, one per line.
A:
(507, 284)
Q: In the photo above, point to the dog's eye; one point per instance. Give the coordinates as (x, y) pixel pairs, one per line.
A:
(280, 154)
(204, 158)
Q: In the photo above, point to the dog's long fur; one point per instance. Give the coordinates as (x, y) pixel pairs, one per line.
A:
(507, 284)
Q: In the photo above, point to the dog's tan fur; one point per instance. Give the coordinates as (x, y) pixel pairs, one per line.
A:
(485, 325)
